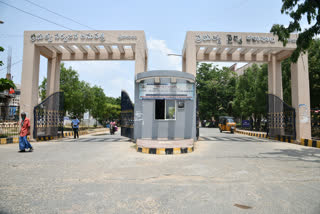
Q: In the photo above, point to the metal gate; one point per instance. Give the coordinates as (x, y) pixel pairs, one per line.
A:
(197, 118)
(48, 116)
(127, 115)
(281, 118)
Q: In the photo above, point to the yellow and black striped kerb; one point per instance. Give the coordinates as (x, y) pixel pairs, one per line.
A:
(10, 140)
(65, 134)
(264, 135)
(165, 151)
(261, 135)
(284, 139)
(310, 143)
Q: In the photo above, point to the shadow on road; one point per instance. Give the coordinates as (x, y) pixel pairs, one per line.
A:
(307, 155)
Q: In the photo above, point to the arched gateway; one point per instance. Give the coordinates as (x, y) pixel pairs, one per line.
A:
(59, 46)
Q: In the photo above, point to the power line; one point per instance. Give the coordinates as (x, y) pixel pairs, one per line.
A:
(12, 64)
(36, 16)
(58, 14)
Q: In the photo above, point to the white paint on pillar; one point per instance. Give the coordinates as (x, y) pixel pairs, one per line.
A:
(301, 96)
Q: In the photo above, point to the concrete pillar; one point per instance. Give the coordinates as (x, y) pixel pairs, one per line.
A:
(30, 80)
(140, 60)
(191, 60)
(53, 75)
(183, 64)
(275, 77)
(300, 91)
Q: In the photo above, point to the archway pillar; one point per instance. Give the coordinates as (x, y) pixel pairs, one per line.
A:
(275, 77)
(53, 74)
(301, 96)
(30, 80)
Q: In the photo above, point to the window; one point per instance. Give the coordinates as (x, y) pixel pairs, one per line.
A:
(165, 109)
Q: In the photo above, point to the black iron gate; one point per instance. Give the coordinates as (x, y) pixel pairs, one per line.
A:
(281, 118)
(197, 118)
(48, 116)
(127, 115)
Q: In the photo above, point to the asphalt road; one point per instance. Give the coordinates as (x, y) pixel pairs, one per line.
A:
(227, 173)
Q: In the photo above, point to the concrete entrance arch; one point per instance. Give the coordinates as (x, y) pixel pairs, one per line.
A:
(59, 46)
(201, 46)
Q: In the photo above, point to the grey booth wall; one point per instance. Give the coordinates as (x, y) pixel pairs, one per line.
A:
(145, 125)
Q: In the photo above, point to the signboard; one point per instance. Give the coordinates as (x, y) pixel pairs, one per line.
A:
(166, 91)
(245, 123)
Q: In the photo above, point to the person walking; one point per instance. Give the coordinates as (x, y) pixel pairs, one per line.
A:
(24, 132)
(75, 125)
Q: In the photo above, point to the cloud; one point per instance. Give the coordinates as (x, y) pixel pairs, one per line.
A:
(158, 56)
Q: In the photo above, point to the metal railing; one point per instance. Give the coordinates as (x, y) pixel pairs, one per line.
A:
(9, 121)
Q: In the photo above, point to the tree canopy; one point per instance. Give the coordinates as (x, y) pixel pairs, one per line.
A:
(297, 10)
(80, 97)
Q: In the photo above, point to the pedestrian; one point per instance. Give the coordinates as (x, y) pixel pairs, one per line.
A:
(24, 132)
(112, 127)
(75, 126)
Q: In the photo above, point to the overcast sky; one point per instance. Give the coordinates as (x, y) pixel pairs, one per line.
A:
(165, 23)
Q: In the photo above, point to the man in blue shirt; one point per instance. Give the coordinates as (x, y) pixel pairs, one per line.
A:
(75, 125)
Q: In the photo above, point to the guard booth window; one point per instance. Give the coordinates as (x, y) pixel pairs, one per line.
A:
(165, 109)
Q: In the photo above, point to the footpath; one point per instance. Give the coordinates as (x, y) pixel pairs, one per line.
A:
(10, 140)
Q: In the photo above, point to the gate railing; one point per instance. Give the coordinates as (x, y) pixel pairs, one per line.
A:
(281, 118)
(48, 116)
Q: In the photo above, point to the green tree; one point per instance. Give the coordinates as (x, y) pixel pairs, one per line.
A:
(286, 80)
(80, 97)
(250, 94)
(74, 91)
(99, 99)
(297, 10)
(43, 89)
(314, 73)
(111, 111)
(6, 84)
(215, 89)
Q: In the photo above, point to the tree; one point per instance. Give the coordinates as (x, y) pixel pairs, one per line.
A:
(250, 93)
(297, 10)
(6, 84)
(99, 99)
(73, 91)
(111, 111)
(80, 97)
(43, 89)
(215, 89)
(314, 73)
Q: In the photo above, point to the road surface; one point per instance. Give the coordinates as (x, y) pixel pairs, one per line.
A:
(99, 173)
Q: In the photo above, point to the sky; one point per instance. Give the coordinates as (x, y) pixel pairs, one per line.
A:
(164, 22)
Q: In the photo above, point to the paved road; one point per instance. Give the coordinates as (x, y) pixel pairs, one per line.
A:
(104, 174)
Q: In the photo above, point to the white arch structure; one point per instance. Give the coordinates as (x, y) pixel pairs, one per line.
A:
(59, 46)
(201, 46)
